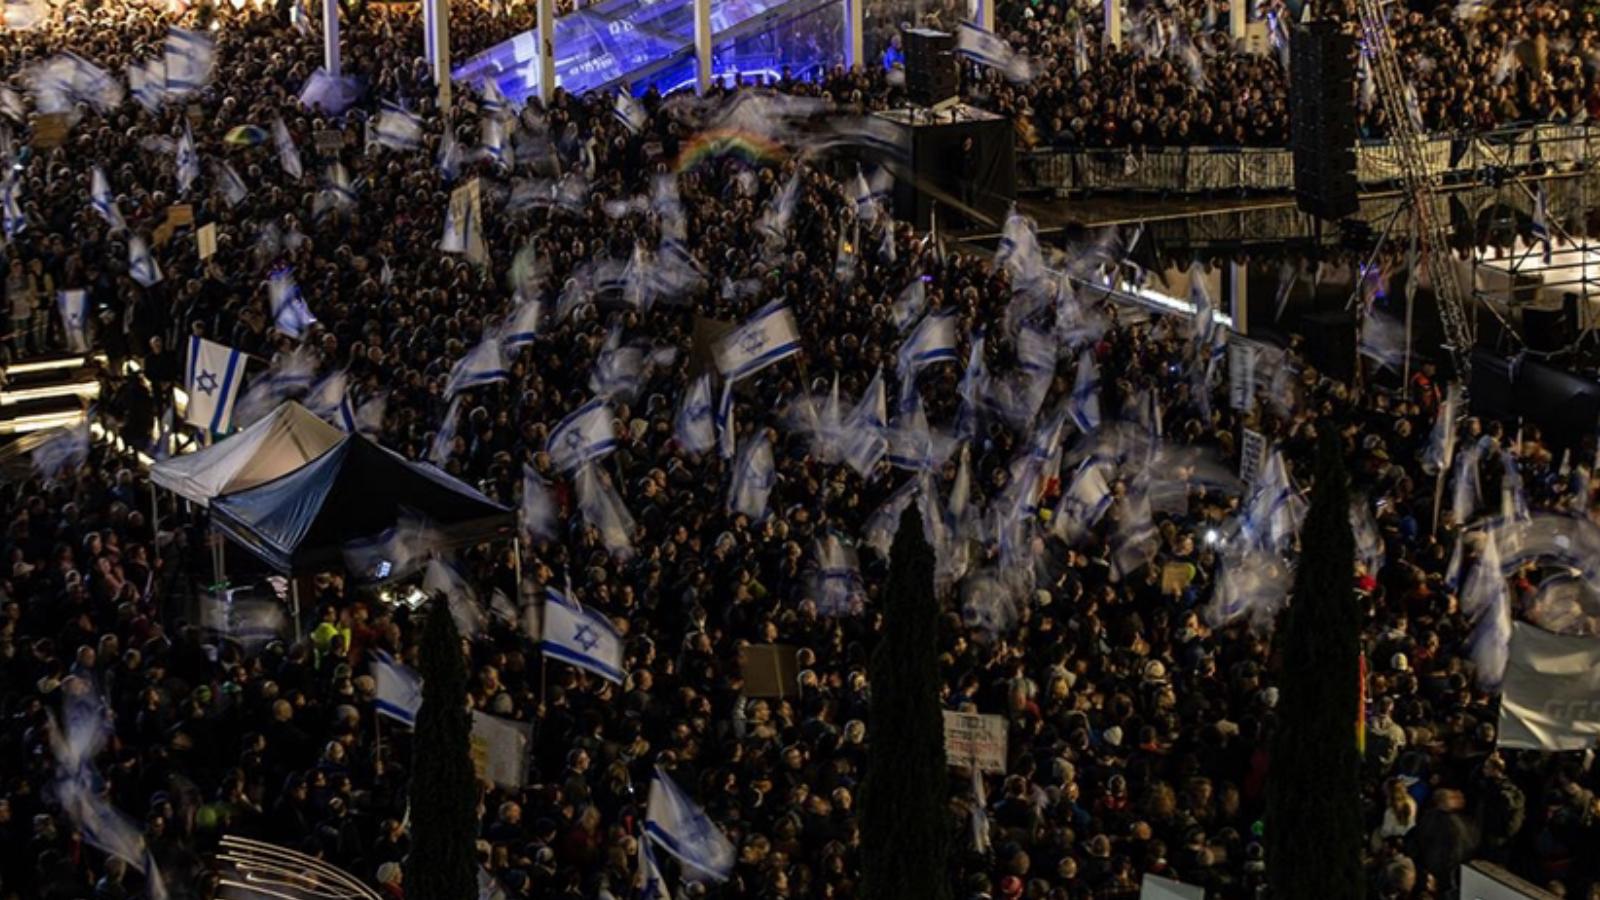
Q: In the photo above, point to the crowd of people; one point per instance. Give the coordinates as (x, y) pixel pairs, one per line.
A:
(1139, 717)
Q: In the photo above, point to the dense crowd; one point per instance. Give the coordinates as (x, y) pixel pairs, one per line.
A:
(1139, 721)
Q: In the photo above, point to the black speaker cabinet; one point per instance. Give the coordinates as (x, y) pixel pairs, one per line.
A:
(932, 76)
(1322, 119)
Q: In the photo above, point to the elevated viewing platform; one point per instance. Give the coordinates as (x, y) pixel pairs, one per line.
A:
(639, 43)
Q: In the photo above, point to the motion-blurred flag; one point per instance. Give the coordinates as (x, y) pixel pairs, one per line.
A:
(188, 161)
(399, 690)
(585, 434)
(229, 184)
(288, 154)
(142, 266)
(212, 380)
(523, 326)
(989, 49)
(753, 479)
(20, 15)
(538, 513)
(580, 637)
(11, 210)
(1084, 405)
(290, 314)
(190, 58)
(766, 337)
(603, 509)
(397, 129)
(74, 305)
(652, 885)
(630, 112)
(483, 364)
(695, 425)
(683, 830)
(933, 340)
(727, 431)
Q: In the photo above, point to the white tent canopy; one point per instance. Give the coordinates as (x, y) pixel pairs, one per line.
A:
(286, 439)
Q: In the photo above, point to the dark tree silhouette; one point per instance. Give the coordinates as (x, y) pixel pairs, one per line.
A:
(444, 788)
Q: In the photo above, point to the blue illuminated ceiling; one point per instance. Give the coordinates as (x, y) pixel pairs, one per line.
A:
(622, 42)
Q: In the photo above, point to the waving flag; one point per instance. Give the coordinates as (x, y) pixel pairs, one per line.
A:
(630, 112)
(933, 340)
(399, 690)
(1084, 405)
(288, 154)
(1441, 449)
(147, 81)
(538, 513)
(74, 306)
(142, 266)
(483, 364)
(653, 886)
(580, 637)
(523, 326)
(229, 184)
(290, 314)
(585, 434)
(753, 479)
(683, 830)
(212, 382)
(727, 430)
(397, 129)
(11, 210)
(190, 58)
(989, 49)
(444, 439)
(188, 161)
(864, 441)
(101, 198)
(602, 507)
(695, 424)
(765, 338)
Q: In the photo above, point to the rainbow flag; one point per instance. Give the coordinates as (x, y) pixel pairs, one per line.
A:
(245, 136)
(749, 146)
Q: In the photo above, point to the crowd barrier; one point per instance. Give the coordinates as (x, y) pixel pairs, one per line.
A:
(1189, 170)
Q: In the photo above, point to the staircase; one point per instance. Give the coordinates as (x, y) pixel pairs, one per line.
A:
(40, 394)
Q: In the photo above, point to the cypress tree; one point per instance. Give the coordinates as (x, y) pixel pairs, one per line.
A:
(1313, 821)
(905, 833)
(444, 788)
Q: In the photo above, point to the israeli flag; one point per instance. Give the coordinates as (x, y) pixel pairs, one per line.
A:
(911, 303)
(399, 690)
(726, 429)
(483, 364)
(22, 15)
(288, 154)
(439, 452)
(630, 112)
(864, 441)
(683, 830)
(101, 198)
(753, 479)
(74, 305)
(765, 338)
(1018, 252)
(1084, 404)
(397, 129)
(142, 266)
(933, 340)
(493, 136)
(147, 81)
(585, 434)
(654, 885)
(603, 509)
(188, 161)
(330, 400)
(190, 58)
(15, 221)
(580, 637)
(538, 513)
(1441, 450)
(449, 161)
(229, 184)
(523, 326)
(212, 380)
(695, 425)
(290, 314)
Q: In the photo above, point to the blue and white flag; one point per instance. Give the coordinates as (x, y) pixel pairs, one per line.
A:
(190, 58)
(1486, 598)
(397, 129)
(22, 15)
(603, 509)
(652, 884)
(450, 156)
(753, 479)
(864, 444)
(229, 184)
(630, 112)
(288, 154)
(585, 434)
(909, 305)
(1084, 405)
(683, 830)
(989, 49)
(537, 515)
(142, 266)
(727, 430)
(1541, 233)
(212, 382)
(74, 306)
(1018, 252)
(618, 369)
(445, 438)
(329, 94)
(522, 328)
(290, 314)
(399, 689)
(912, 444)
(492, 136)
(1441, 449)
(188, 161)
(11, 210)
(101, 198)
(580, 637)
(837, 588)
(147, 81)
(933, 340)
(765, 338)
(695, 425)
(1383, 339)
(330, 400)
(483, 364)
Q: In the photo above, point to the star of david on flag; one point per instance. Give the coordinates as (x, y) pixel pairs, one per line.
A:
(580, 637)
(766, 337)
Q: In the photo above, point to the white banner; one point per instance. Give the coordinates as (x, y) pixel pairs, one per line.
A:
(1241, 373)
(500, 749)
(1251, 452)
(1551, 696)
(977, 739)
(1154, 887)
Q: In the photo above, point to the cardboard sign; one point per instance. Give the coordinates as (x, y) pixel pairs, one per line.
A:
(500, 749)
(179, 215)
(328, 142)
(1252, 451)
(975, 740)
(206, 238)
(770, 670)
(50, 130)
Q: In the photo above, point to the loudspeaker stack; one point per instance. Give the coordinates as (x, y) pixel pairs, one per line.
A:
(1322, 111)
(932, 77)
